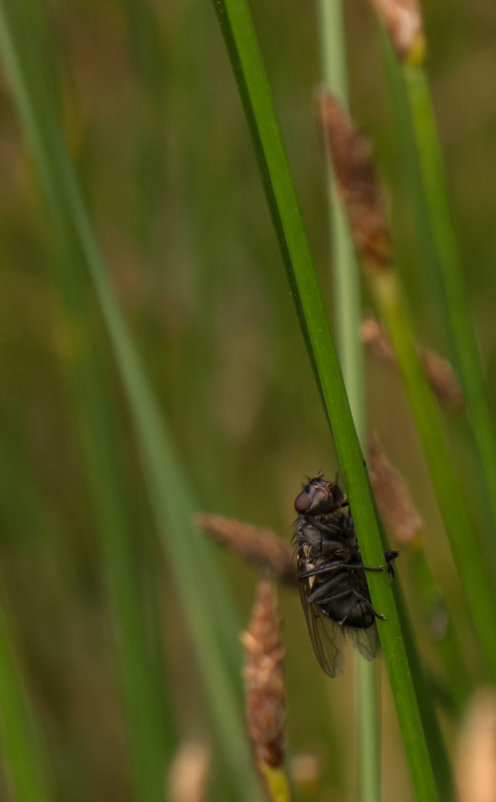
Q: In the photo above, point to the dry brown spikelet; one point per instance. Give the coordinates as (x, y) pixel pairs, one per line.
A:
(440, 374)
(255, 544)
(264, 680)
(351, 154)
(442, 379)
(375, 338)
(392, 495)
(404, 22)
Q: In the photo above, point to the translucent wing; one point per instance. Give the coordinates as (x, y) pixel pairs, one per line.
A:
(327, 637)
(365, 640)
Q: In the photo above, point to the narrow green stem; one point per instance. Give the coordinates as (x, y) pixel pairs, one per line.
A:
(333, 48)
(369, 747)
(474, 574)
(213, 625)
(461, 327)
(21, 740)
(347, 314)
(237, 26)
(457, 679)
(150, 729)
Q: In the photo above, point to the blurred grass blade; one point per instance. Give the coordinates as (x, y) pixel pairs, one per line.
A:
(351, 153)
(347, 315)
(403, 521)
(149, 725)
(437, 748)
(474, 573)
(420, 142)
(198, 579)
(440, 623)
(237, 27)
(461, 329)
(150, 728)
(20, 738)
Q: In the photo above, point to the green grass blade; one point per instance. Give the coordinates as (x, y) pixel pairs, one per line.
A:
(461, 329)
(456, 678)
(437, 748)
(149, 725)
(235, 21)
(474, 574)
(149, 728)
(21, 741)
(347, 314)
(208, 608)
(420, 141)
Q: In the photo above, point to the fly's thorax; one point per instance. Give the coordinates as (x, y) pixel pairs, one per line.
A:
(308, 535)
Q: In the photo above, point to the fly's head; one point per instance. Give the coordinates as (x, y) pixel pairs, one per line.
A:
(319, 497)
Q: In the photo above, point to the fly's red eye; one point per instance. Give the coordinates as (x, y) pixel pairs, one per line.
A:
(302, 502)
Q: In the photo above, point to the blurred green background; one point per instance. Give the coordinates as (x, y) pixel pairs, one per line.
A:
(155, 128)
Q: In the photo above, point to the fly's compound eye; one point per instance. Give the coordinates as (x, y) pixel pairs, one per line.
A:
(303, 501)
(313, 496)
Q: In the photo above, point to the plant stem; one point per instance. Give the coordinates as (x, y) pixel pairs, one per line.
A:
(213, 625)
(21, 739)
(474, 574)
(347, 314)
(461, 329)
(237, 27)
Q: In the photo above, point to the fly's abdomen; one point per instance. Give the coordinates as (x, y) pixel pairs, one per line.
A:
(343, 596)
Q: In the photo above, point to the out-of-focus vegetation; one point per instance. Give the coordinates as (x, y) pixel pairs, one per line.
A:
(155, 130)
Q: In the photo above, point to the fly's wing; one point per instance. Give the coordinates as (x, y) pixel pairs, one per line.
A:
(365, 640)
(327, 637)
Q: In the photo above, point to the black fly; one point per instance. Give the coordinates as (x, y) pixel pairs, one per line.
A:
(331, 575)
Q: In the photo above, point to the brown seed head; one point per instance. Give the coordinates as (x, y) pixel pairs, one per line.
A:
(442, 379)
(351, 154)
(264, 679)
(477, 750)
(374, 337)
(254, 544)
(392, 495)
(404, 22)
(440, 374)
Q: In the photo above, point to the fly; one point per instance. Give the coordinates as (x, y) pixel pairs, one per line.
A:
(331, 575)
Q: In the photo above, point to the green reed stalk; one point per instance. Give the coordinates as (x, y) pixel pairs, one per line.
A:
(474, 574)
(149, 726)
(447, 645)
(461, 328)
(213, 625)
(20, 735)
(347, 314)
(237, 27)
(438, 239)
(456, 678)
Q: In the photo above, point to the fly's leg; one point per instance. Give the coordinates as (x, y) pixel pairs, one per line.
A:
(369, 605)
(319, 594)
(345, 566)
(324, 569)
(390, 556)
